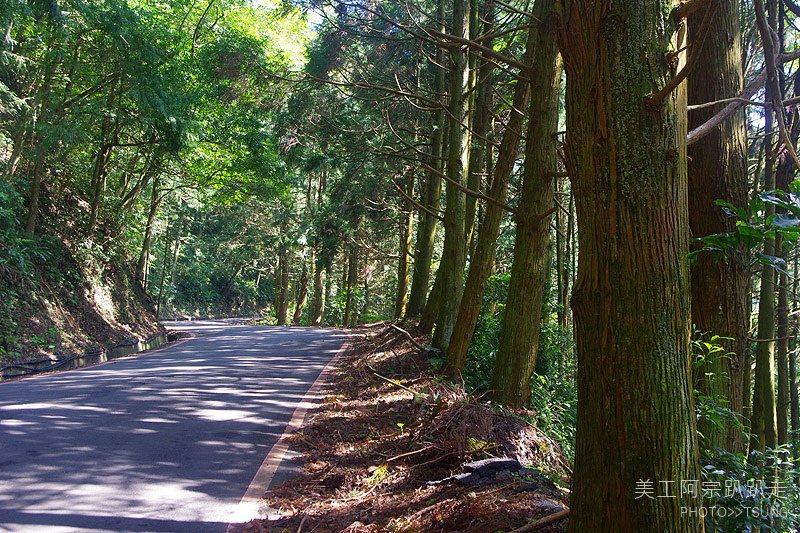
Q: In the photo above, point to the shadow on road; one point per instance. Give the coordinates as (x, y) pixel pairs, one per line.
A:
(162, 442)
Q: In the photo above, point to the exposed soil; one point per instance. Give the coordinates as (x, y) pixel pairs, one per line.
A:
(387, 427)
(63, 310)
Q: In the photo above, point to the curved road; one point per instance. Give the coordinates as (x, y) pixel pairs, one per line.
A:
(164, 441)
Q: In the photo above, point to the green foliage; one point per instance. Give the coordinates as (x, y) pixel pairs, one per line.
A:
(740, 493)
(753, 227)
(483, 349)
(750, 493)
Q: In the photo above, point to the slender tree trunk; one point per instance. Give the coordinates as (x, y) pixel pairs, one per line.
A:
(764, 419)
(426, 230)
(718, 170)
(318, 305)
(794, 394)
(482, 260)
(282, 306)
(481, 113)
(454, 254)
(176, 253)
(627, 163)
(164, 262)
(40, 113)
(144, 256)
(100, 174)
(519, 336)
(36, 192)
(328, 288)
(302, 294)
(404, 261)
(433, 304)
(782, 360)
(351, 283)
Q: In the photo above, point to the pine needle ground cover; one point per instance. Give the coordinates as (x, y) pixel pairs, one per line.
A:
(387, 428)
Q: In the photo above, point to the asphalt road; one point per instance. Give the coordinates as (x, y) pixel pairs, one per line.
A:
(166, 441)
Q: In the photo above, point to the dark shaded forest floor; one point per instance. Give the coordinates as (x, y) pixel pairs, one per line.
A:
(387, 427)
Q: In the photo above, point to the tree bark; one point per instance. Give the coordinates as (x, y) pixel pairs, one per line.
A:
(426, 230)
(144, 256)
(282, 304)
(482, 260)
(717, 169)
(627, 163)
(100, 174)
(782, 361)
(481, 112)
(454, 254)
(318, 304)
(352, 282)
(404, 261)
(763, 426)
(519, 336)
(302, 294)
(426, 322)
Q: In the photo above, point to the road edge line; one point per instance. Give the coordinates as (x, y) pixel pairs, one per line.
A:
(248, 505)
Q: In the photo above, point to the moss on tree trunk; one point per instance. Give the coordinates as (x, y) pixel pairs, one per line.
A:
(627, 163)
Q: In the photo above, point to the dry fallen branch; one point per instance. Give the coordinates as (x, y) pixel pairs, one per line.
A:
(546, 521)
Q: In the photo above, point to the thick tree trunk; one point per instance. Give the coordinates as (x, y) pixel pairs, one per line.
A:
(717, 169)
(519, 336)
(627, 162)
(454, 254)
(482, 260)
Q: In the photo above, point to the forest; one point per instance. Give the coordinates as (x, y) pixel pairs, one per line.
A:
(590, 206)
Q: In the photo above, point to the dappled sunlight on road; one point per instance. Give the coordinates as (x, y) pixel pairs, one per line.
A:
(163, 442)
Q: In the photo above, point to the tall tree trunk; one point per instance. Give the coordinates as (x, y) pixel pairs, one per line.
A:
(482, 260)
(794, 394)
(763, 426)
(282, 305)
(630, 302)
(351, 283)
(717, 169)
(39, 113)
(328, 287)
(454, 254)
(481, 111)
(164, 262)
(302, 294)
(519, 336)
(100, 174)
(144, 256)
(782, 361)
(426, 230)
(433, 304)
(318, 304)
(404, 261)
(36, 192)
